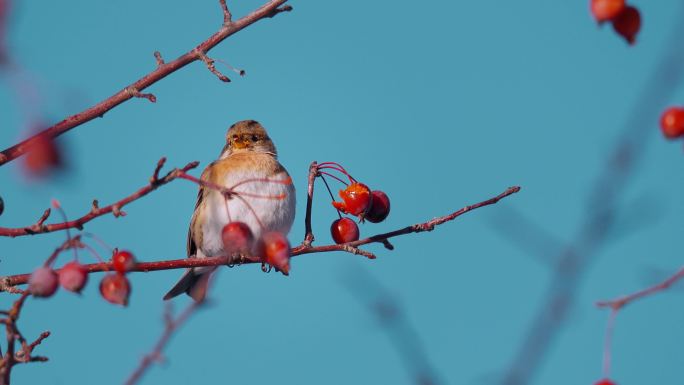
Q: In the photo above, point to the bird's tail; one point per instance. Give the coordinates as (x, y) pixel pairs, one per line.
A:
(193, 282)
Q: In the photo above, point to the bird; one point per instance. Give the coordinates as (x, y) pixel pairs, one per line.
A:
(249, 159)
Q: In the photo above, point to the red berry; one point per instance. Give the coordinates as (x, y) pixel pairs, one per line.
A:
(43, 156)
(356, 199)
(627, 24)
(604, 10)
(380, 207)
(672, 122)
(274, 249)
(43, 282)
(237, 238)
(123, 261)
(73, 276)
(605, 381)
(115, 288)
(344, 230)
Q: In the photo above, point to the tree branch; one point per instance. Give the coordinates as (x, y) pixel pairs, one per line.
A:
(270, 9)
(13, 335)
(96, 211)
(171, 325)
(620, 302)
(7, 283)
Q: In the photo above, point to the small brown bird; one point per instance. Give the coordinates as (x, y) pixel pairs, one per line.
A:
(250, 157)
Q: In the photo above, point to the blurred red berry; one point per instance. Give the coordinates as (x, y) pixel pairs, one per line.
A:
(123, 261)
(115, 288)
(344, 230)
(356, 199)
(274, 248)
(43, 282)
(237, 238)
(43, 156)
(73, 276)
(605, 381)
(380, 207)
(628, 23)
(672, 122)
(604, 10)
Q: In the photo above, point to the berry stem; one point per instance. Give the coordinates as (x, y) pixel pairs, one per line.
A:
(337, 167)
(332, 197)
(608, 342)
(62, 213)
(286, 181)
(225, 203)
(333, 176)
(263, 229)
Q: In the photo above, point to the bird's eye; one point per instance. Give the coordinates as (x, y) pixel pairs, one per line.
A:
(255, 138)
(235, 137)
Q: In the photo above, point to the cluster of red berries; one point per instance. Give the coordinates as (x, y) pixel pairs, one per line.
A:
(672, 122)
(357, 200)
(73, 277)
(271, 248)
(625, 18)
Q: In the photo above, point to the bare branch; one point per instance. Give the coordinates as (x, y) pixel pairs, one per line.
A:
(227, 16)
(265, 11)
(8, 282)
(170, 326)
(96, 211)
(620, 302)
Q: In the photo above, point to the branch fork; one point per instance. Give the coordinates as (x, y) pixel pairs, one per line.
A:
(211, 66)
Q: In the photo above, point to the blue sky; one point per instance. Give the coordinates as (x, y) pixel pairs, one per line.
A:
(438, 103)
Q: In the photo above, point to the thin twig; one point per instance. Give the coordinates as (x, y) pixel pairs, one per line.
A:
(620, 302)
(171, 326)
(96, 211)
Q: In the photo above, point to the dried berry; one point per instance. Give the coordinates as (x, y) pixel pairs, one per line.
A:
(73, 276)
(115, 288)
(43, 282)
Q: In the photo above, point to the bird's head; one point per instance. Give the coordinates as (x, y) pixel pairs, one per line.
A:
(248, 136)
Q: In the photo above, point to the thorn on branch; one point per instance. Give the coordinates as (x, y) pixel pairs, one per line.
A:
(155, 175)
(388, 245)
(284, 8)
(160, 60)
(227, 16)
(116, 210)
(211, 67)
(43, 218)
(190, 166)
(137, 94)
(96, 206)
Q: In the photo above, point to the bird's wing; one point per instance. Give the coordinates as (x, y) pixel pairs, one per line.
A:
(191, 243)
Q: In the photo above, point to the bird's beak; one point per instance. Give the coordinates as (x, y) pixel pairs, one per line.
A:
(241, 143)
